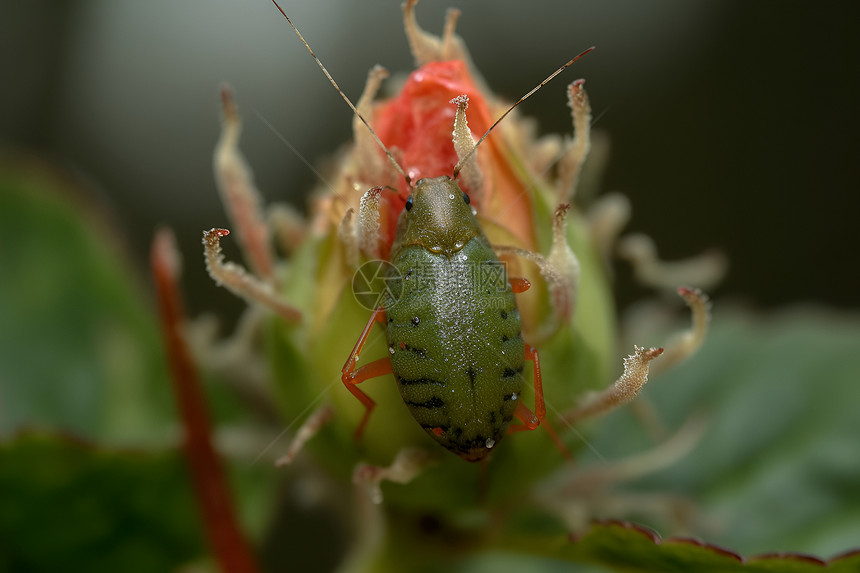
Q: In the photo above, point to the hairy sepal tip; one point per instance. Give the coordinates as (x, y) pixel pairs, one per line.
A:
(228, 102)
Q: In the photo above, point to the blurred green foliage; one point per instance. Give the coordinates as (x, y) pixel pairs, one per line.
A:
(90, 478)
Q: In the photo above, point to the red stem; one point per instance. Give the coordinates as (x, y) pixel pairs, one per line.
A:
(210, 486)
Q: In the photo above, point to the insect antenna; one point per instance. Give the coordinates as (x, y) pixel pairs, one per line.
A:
(347, 100)
(549, 78)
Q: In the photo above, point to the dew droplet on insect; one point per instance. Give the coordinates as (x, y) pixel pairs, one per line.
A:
(514, 396)
(391, 350)
(450, 196)
(490, 442)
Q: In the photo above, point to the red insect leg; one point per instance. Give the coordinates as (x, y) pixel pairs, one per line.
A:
(519, 285)
(352, 376)
(532, 420)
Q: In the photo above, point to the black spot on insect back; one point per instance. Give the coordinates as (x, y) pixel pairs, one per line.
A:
(421, 382)
(510, 372)
(431, 404)
(415, 320)
(472, 376)
(504, 314)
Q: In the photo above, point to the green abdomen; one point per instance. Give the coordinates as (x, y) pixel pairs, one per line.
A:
(456, 347)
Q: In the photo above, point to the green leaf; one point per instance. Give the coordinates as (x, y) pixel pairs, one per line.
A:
(630, 548)
(73, 507)
(777, 468)
(79, 348)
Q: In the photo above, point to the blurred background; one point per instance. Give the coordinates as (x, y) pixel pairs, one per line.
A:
(733, 124)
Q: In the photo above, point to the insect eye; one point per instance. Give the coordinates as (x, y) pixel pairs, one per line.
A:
(408, 203)
(466, 198)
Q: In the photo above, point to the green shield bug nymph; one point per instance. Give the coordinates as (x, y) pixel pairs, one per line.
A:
(444, 225)
(454, 332)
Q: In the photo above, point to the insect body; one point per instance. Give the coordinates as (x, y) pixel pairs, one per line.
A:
(459, 367)
(454, 334)
(455, 344)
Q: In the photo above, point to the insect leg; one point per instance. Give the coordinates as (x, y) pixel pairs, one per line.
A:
(527, 417)
(532, 420)
(351, 376)
(519, 285)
